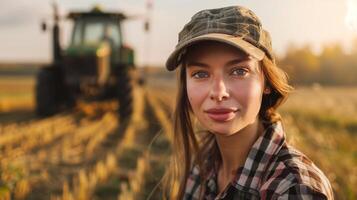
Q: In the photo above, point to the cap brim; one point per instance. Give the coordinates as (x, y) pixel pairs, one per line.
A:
(173, 61)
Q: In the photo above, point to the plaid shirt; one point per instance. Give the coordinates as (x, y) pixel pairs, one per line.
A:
(272, 170)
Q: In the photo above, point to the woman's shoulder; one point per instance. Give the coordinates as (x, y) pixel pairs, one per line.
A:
(294, 174)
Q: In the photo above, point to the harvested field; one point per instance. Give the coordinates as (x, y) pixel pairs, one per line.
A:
(87, 153)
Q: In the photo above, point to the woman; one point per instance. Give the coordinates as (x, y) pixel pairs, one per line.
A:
(228, 138)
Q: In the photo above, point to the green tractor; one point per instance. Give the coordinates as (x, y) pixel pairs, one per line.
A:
(96, 65)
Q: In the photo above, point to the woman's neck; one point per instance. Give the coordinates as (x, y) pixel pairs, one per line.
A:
(234, 150)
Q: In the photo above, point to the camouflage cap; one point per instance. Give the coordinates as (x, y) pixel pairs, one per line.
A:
(234, 25)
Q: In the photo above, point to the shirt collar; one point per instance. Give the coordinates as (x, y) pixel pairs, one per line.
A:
(260, 157)
(248, 177)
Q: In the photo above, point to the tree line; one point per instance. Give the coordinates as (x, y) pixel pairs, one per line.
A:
(333, 66)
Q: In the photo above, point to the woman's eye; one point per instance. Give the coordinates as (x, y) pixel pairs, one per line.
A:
(239, 72)
(200, 74)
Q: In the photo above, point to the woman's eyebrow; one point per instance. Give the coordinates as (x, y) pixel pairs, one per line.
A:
(231, 62)
(236, 61)
(197, 64)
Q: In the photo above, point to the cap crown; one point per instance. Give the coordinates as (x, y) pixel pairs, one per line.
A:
(234, 20)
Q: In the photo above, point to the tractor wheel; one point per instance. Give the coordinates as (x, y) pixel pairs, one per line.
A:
(46, 103)
(124, 94)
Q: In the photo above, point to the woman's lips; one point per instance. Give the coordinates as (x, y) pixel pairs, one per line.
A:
(221, 114)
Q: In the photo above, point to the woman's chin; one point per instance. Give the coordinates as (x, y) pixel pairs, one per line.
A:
(222, 131)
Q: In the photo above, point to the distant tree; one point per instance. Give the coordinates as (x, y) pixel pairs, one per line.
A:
(351, 65)
(354, 47)
(333, 66)
(301, 64)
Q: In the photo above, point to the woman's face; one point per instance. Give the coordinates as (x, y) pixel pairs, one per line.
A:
(224, 87)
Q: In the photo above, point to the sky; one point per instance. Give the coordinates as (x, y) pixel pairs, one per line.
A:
(298, 22)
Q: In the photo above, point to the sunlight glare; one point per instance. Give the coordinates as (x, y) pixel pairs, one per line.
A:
(351, 16)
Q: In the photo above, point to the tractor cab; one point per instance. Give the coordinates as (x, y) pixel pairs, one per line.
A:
(96, 51)
(94, 31)
(95, 64)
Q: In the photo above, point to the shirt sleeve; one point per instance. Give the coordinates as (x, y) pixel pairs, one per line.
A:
(302, 192)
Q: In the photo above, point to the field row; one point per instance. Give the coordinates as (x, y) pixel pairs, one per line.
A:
(84, 156)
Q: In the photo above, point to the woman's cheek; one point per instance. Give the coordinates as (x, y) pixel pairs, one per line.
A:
(247, 91)
(254, 96)
(196, 94)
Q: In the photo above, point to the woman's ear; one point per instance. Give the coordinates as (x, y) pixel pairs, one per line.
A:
(267, 90)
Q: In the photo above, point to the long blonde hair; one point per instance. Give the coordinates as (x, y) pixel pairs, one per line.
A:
(190, 150)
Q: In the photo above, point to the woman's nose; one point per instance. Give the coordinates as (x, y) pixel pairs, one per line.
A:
(219, 90)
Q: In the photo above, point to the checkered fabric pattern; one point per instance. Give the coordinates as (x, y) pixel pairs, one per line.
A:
(273, 170)
(235, 21)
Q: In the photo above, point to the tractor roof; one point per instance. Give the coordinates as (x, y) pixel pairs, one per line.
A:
(96, 12)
